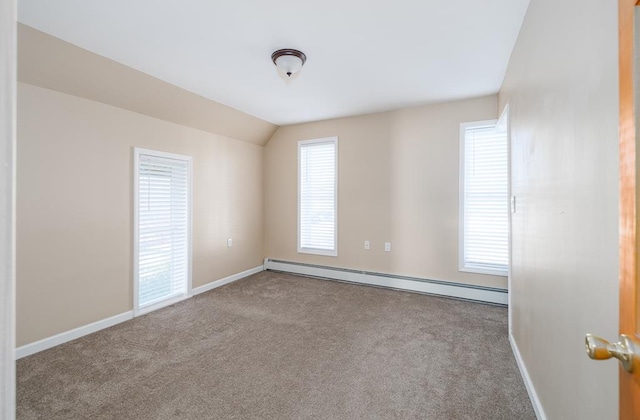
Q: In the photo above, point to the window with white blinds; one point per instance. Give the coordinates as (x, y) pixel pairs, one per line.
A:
(317, 196)
(484, 199)
(162, 229)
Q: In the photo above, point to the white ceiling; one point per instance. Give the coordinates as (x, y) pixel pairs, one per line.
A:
(363, 55)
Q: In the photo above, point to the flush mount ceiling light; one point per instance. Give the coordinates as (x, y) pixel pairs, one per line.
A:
(288, 61)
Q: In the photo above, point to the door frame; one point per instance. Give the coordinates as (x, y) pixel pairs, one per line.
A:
(628, 282)
(8, 22)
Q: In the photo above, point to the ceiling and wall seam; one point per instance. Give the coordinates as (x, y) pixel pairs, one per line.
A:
(362, 58)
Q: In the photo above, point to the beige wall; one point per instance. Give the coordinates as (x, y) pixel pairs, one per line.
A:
(74, 206)
(561, 86)
(398, 182)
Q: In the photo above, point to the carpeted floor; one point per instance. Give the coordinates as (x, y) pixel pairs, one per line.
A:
(277, 346)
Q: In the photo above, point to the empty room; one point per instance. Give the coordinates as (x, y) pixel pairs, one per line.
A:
(319, 210)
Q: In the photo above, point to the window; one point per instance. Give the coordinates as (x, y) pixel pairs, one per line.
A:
(484, 198)
(317, 196)
(162, 229)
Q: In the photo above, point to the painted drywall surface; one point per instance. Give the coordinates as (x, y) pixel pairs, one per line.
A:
(397, 182)
(561, 87)
(51, 63)
(74, 206)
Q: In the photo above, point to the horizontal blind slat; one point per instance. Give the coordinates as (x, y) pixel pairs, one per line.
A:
(486, 201)
(318, 195)
(163, 194)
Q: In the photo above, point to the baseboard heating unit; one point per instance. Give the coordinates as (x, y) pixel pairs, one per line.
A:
(482, 294)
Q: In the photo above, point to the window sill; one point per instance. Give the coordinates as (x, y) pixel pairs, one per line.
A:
(484, 270)
(322, 252)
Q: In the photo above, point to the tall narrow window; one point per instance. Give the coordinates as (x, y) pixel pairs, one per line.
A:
(484, 198)
(317, 196)
(162, 229)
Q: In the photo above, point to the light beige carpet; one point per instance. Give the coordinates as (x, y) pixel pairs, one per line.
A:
(277, 346)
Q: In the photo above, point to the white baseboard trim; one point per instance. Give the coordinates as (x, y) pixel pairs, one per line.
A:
(47, 343)
(226, 280)
(432, 287)
(533, 395)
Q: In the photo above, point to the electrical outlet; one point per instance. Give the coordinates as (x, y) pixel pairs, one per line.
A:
(229, 243)
(387, 246)
(367, 245)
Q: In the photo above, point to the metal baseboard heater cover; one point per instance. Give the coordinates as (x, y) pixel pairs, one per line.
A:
(492, 295)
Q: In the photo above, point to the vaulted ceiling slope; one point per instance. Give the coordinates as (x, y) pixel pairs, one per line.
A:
(363, 55)
(49, 62)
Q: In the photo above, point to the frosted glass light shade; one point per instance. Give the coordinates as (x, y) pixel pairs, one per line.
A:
(289, 64)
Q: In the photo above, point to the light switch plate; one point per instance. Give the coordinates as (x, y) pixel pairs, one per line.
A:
(387, 246)
(367, 245)
(229, 243)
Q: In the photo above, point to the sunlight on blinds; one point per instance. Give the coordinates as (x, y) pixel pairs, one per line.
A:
(163, 227)
(486, 199)
(317, 206)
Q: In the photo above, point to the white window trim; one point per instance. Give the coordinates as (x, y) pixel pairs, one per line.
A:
(301, 250)
(137, 152)
(470, 268)
(505, 122)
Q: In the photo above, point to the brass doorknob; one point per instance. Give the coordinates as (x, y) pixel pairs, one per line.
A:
(626, 351)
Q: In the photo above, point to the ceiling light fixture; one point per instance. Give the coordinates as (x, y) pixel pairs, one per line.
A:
(288, 61)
